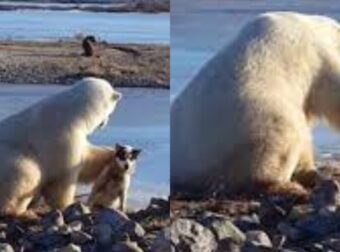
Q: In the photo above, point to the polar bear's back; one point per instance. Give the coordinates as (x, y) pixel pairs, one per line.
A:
(81, 96)
(49, 119)
(271, 64)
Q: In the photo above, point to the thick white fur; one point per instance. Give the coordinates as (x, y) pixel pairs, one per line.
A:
(247, 115)
(43, 148)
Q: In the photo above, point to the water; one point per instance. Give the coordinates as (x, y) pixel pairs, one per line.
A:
(141, 119)
(113, 27)
(199, 28)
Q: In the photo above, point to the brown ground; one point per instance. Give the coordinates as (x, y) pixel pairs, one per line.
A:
(124, 65)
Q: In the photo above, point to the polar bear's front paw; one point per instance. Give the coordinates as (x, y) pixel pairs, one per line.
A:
(13, 212)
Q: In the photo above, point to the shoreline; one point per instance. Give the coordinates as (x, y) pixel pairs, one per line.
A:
(62, 63)
(144, 6)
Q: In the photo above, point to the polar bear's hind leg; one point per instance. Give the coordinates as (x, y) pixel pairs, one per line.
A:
(274, 162)
(60, 192)
(19, 181)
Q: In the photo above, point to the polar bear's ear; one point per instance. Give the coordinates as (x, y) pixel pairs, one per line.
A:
(116, 96)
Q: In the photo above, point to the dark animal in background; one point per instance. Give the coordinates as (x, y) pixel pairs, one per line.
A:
(89, 43)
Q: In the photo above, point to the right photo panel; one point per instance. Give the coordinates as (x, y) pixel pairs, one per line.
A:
(255, 114)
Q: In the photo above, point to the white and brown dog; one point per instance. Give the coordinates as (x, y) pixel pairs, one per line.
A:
(111, 187)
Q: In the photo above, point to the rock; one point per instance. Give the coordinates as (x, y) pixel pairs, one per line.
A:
(115, 218)
(327, 210)
(27, 246)
(148, 240)
(133, 229)
(278, 240)
(3, 226)
(250, 247)
(189, 235)
(208, 215)
(326, 194)
(3, 236)
(5, 247)
(119, 223)
(326, 171)
(289, 231)
(157, 208)
(46, 240)
(71, 248)
(75, 212)
(76, 225)
(316, 226)
(122, 237)
(248, 222)
(65, 230)
(158, 202)
(332, 243)
(15, 230)
(127, 247)
(258, 238)
(270, 214)
(223, 228)
(162, 241)
(316, 247)
(80, 237)
(54, 217)
(300, 211)
(103, 234)
(53, 229)
(228, 245)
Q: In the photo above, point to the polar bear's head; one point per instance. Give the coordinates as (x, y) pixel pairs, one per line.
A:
(97, 100)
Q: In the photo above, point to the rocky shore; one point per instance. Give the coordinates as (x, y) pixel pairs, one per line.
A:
(78, 229)
(148, 6)
(63, 62)
(270, 223)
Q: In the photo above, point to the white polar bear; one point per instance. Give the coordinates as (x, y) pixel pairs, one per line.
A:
(44, 148)
(245, 119)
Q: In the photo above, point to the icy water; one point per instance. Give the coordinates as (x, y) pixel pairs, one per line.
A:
(112, 27)
(141, 119)
(199, 28)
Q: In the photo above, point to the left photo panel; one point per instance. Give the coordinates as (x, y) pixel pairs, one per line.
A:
(84, 125)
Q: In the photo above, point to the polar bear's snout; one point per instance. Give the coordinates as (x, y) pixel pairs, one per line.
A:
(116, 96)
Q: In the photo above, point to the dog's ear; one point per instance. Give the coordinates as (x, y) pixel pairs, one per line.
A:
(118, 146)
(135, 153)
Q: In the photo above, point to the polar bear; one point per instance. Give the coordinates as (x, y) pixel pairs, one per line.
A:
(44, 149)
(245, 120)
